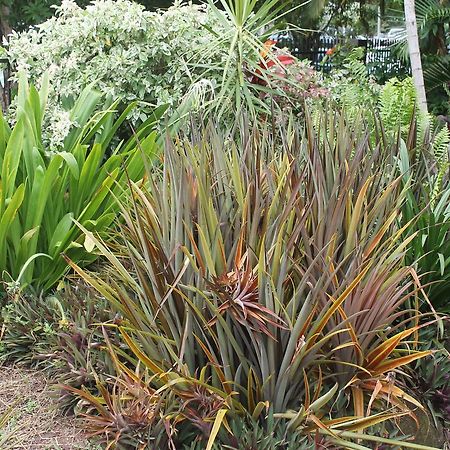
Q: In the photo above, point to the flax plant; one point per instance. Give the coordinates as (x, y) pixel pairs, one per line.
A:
(261, 268)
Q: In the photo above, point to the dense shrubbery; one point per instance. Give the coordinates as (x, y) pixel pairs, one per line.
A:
(43, 193)
(351, 87)
(187, 54)
(60, 332)
(264, 279)
(354, 90)
(125, 51)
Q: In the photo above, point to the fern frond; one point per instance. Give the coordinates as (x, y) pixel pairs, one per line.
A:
(437, 186)
(440, 146)
(397, 104)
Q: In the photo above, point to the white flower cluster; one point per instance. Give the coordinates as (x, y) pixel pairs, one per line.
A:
(124, 50)
(58, 127)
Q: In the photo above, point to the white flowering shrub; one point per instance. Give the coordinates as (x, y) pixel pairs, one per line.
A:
(124, 50)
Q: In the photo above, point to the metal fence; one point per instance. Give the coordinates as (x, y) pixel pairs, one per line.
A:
(379, 55)
(5, 85)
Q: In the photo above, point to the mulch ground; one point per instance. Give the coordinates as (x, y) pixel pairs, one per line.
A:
(29, 417)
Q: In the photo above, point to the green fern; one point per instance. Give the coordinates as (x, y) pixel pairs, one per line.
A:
(397, 104)
(352, 89)
(436, 144)
(353, 63)
(440, 146)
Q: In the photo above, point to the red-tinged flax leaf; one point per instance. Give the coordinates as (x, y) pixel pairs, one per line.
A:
(382, 352)
(366, 422)
(380, 234)
(391, 391)
(376, 391)
(358, 401)
(215, 364)
(319, 385)
(392, 364)
(336, 303)
(307, 393)
(355, 218)
(352, 334)
(319, 424)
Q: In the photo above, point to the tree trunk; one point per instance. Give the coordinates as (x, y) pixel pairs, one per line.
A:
(5, 27)
(5, 30)
(414, 53)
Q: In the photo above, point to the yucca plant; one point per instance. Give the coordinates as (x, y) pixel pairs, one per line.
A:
(42, 189)
(252, 71)
(265, 270)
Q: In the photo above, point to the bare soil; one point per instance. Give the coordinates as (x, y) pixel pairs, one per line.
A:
(29, 416)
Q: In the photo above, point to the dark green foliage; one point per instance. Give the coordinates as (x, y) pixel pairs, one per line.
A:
(23, 13)
(426, 211)
(432, 246)
(430, 377)
(266, 434)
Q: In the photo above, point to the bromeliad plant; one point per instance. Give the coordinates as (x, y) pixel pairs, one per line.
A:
(59, 332)
(262, 271)
(42, 190)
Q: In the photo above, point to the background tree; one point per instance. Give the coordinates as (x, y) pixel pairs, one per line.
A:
(5, 27)
(356, 16)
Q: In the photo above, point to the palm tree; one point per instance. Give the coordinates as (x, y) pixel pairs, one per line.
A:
(414, 53)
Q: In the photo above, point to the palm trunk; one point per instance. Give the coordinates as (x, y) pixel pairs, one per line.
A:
(414, 53)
